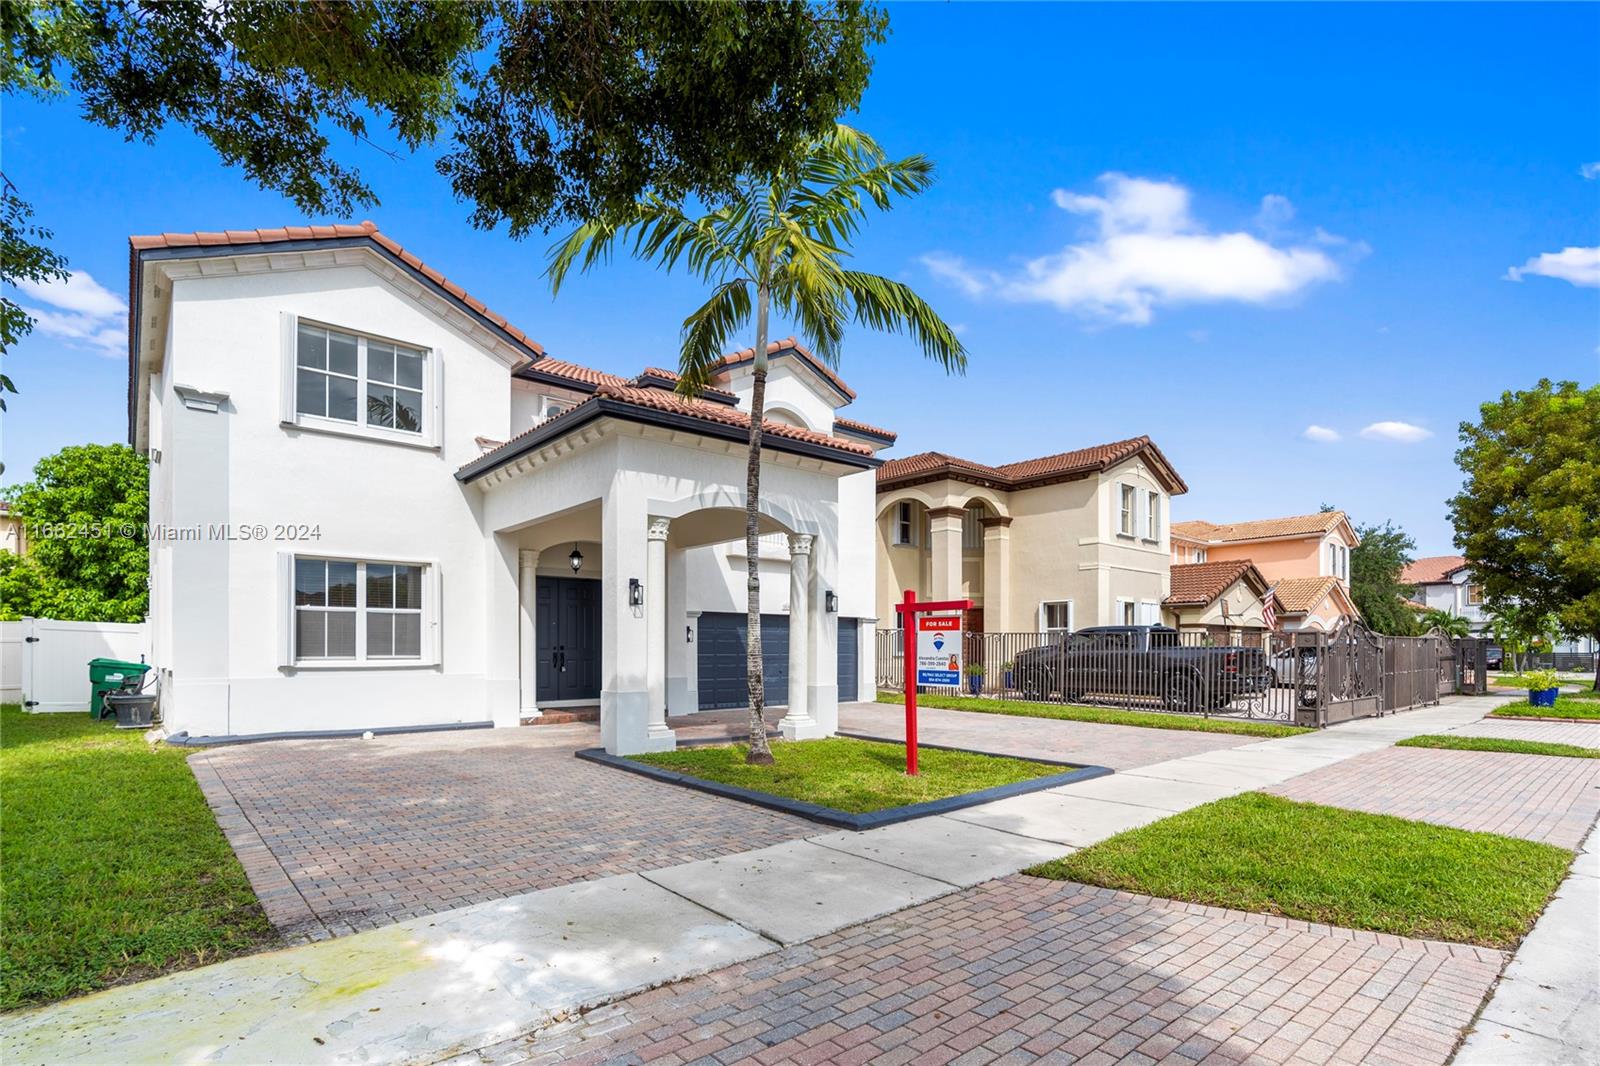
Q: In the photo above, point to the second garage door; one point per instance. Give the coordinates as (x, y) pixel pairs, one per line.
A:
(721, 658)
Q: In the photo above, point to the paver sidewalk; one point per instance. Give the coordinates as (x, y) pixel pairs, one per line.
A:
(435, 986)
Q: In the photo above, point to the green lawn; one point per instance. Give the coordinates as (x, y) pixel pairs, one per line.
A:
(1566, 707)
(1320, 864)
(112, 867)
(1102, 715)
(1514, 747)
(857, 776)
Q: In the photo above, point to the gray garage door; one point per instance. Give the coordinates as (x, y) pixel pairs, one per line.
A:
(721, 658)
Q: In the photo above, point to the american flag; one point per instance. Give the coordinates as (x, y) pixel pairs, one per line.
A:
(1269, 612)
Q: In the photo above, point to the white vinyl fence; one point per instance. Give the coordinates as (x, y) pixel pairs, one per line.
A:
(44, 662)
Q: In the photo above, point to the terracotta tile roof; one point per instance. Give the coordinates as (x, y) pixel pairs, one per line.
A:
(1260, 529)
(788, 344)
(669, 379)
(586, 378)
(340, 231)
(1297, 595)
(1432, 569)
(671, 403)
(1063, 466)
(850, 425)
(1197, 584)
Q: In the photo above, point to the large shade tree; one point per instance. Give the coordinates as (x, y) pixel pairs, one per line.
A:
(1528, 514)
(780, 242)
(548, 111)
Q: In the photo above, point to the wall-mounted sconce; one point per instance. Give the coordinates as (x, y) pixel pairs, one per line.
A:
(635, 593)
(575, 560)
(688, 634)
(830, 602)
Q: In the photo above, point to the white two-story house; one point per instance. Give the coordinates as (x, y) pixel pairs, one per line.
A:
(376, 504)
(1057, 543)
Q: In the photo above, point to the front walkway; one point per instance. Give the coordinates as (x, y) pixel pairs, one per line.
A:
(508, 970)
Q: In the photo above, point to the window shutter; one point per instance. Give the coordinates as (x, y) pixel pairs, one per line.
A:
(1072, 619)
(1141, 517)
(432, 615)
(285, 594)
(436, 405)
(288, 326)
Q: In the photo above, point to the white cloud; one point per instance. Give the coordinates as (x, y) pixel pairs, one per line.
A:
(1398, 432)
(1275, 213)
(81, 312)
(1148, 250)
(1581, 266)
(1590, 171)
(1321, 434)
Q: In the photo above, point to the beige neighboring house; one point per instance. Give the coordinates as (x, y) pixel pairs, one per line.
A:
(12, 538)
(1305, 558)
(1056, 543)
(1225, 600)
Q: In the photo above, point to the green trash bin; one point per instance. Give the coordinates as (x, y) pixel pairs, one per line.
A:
(112, 675)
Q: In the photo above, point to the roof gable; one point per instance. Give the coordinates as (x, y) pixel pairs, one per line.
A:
(1198, 584)
(803, 358)
(1028, 473)
(1319, 524)
(1432, 569)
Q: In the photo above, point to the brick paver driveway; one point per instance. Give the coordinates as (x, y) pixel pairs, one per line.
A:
(1022, 969)
(1538, 797)
(340, 835)
(1117, 746)
(1583, 734)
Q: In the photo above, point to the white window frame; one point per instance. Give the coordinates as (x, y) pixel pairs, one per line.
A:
(430, 436)
(1127, 504)
(1199, 555)
(429, 647)
(905, 525)
(1150, 610)
(1044, 627)
(1127, 612)
(560, 404)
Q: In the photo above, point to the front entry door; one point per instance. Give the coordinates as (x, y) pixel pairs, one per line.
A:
(568, 638)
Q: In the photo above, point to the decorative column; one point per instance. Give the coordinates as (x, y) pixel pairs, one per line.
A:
(655, 620)
(798, 723)
(944, 524)
(527, 633)
(997, 575)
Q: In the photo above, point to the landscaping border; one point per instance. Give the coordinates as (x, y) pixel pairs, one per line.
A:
(844, 819)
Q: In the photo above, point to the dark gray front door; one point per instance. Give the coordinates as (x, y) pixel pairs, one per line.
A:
(567, 623)
(721, 657)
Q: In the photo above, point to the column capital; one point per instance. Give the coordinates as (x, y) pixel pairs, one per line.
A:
(800, 543)
(659, 528)
(528, 558)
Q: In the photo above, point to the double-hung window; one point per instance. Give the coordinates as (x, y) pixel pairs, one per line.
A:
(904, 525)
(1129, 501)
(357, 611)
(360, 382)
(1055, 617)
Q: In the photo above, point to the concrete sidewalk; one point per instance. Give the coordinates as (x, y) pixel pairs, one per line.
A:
(1546, 1009)
(437, 986)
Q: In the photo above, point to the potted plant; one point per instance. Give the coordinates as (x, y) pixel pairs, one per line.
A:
(1006, 668)
(974, 678)
(1542, 688)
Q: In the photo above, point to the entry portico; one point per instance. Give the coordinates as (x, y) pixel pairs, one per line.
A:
(648, 488)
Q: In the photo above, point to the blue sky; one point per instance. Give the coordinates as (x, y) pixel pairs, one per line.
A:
(1216, 225)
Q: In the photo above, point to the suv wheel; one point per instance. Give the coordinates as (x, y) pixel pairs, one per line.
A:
(1036, 684)
(1182, 694)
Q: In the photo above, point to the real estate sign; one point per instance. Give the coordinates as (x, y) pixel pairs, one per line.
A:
(939, 649)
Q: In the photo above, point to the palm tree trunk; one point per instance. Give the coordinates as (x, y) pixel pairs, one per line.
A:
(759, 753)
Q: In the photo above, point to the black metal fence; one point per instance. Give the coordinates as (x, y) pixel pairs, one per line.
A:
(1307, 678)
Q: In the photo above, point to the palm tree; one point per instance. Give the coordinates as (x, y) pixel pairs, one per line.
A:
(1451, 625)
(780, 241)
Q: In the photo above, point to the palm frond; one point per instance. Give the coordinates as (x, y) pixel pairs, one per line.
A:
(891, 306)
(707, 334)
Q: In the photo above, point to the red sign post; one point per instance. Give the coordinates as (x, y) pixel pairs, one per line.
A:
(909, 610)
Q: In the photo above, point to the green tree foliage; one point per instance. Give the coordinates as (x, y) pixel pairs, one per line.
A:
(1451, 625)
(24, 256)
(550, 110)
(1522, 630)
(1528, 514)
(84, 517)
(783, 239)
(1375, 566)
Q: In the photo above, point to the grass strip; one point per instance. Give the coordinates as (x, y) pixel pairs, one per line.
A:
(1577, 708)
(1101, 715)
(1262, 853)
(1452, 742)
(851, 775)
(112, 867)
